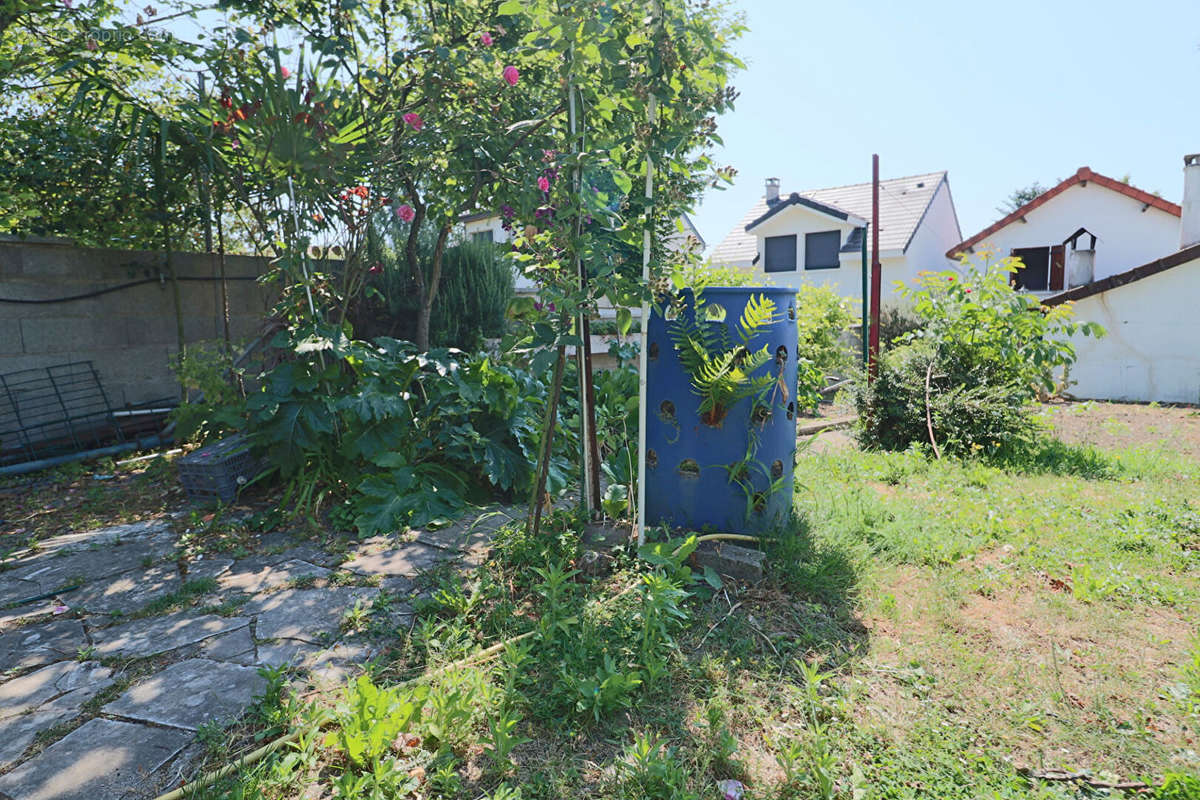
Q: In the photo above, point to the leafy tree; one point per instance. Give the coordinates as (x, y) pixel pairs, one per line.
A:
(1020, 197)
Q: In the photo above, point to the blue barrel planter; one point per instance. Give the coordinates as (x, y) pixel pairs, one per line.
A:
(691, 464)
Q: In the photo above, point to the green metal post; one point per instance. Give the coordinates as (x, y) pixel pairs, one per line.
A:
(865, 323)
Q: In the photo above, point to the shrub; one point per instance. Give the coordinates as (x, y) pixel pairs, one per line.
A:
(473, 295)
(394, 436)
(983, 352)
(822, 317)
(212, 404)
(895, 324)
(966, 417)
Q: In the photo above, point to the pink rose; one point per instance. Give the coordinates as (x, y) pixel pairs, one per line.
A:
(510, 75)
(406, 213)
(285, 72)
(413, 120)
(485, 39)
(544, 183)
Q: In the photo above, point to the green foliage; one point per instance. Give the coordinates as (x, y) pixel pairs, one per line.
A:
(651, 770)
(699, 276)
(967, 417)
(984, 351)
(473, 296)
(722, 367)
(393, 436)
(214, 402)
(822, 317)
(974, 315)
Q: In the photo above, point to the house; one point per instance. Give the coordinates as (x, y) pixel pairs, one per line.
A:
(488, 226)
(817, 236)
(1152, 348)
(1088, 227)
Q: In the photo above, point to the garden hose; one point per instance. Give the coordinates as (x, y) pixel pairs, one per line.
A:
(733, 537)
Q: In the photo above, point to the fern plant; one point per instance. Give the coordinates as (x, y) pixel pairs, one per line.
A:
(721, 365)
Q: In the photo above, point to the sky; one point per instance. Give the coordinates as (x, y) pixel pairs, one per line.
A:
(999, 94)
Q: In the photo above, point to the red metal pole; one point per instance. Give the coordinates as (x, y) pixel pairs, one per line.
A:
(876, 276)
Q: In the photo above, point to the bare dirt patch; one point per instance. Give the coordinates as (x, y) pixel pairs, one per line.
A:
(1053, 677)
(1116, 426)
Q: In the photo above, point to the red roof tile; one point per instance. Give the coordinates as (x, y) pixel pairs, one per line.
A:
(1082, 176)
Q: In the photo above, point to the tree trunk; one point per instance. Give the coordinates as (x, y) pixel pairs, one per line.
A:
(423, 314)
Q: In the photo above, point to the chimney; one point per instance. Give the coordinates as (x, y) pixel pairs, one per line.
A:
(1082, 270)
(1189, 223)
(773, 191)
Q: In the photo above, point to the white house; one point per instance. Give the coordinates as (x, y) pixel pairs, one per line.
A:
(1086, 228)
(817, 236)
(1152, 348)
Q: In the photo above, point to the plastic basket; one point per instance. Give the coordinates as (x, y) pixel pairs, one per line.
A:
(219, 470)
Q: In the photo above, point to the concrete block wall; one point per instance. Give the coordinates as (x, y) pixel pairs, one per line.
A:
(130, 335)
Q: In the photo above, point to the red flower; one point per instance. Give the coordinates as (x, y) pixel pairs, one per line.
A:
(510, 75)
(406, 213)
(543, 183)
(285, 72)
(376, 268)
(485, 39)
(413, 120)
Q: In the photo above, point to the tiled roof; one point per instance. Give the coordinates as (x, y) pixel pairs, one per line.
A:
(902, 205)
(1081, 176)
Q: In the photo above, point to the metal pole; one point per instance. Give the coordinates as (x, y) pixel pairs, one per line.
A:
(866, 324)
(876, 276)
(642, 342)
(590, 449)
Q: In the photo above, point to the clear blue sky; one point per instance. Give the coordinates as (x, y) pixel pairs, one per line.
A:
(999, 94)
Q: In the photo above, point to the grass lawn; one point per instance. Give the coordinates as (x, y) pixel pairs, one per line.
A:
(927, 629)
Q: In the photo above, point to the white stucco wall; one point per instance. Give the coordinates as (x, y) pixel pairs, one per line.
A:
(1126, 235)
(799, 220)
(936, 234)
(1152, 350)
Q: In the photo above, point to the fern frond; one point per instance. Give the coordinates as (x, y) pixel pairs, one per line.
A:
(758, 313)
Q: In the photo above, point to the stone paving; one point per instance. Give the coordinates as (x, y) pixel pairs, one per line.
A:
(101, 698)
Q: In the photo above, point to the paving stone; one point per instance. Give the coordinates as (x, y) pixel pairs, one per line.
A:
(32, 690)
(41, 643)
(310, 615)
(16, 617)
(20, 731)
(14, 589)
(133, 590)
(740, 563)
(153, 635)
(379, 556)
(323, 664)
(57, 570)
(258, 578)
(99, 760)
(104, 537)
(235, 646)
(190, 693)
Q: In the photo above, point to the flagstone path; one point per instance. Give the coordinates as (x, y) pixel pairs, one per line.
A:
(101, 697)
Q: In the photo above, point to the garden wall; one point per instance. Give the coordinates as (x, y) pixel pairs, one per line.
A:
(129, 334)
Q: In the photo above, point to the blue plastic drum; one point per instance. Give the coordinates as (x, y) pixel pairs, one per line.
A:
(698, 475)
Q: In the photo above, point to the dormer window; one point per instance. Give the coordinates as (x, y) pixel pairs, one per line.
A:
(821, 250)
(780, 255)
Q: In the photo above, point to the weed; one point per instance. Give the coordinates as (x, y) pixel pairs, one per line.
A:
(650, 770)
(186, 595)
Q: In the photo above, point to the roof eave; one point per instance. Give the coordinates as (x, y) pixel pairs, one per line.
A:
(1184, 256)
